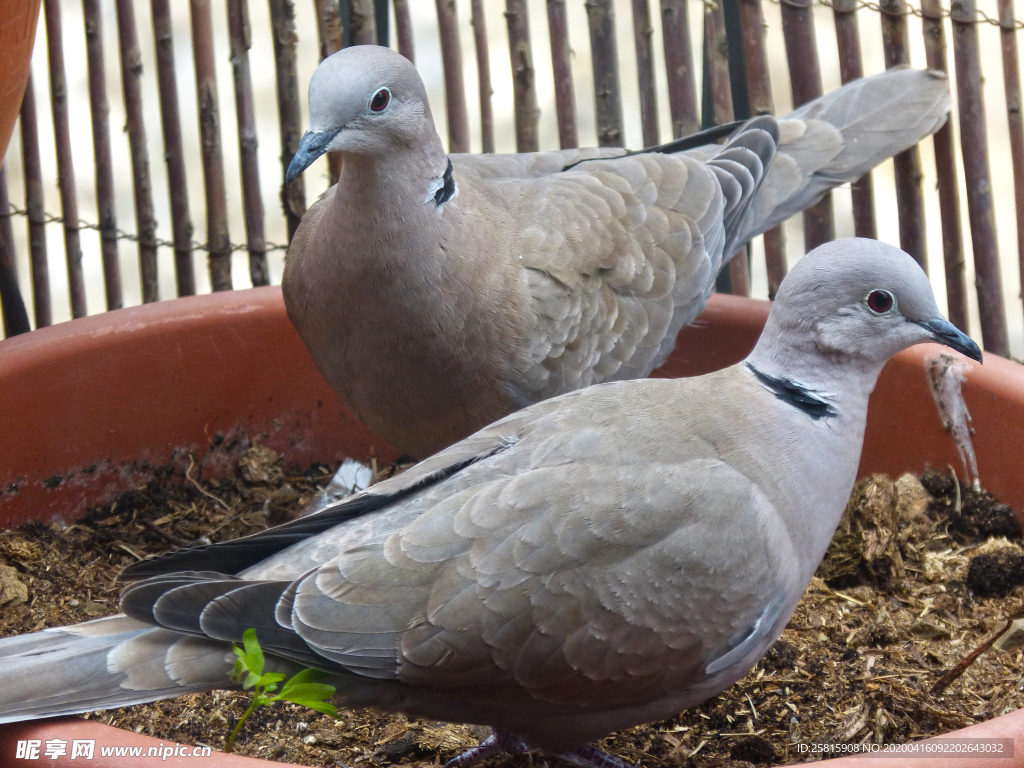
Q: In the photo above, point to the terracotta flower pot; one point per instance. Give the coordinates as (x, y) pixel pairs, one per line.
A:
(17, 34)
(91, 407)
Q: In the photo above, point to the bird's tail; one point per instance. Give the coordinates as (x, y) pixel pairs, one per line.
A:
(110, 662)
(838, 137)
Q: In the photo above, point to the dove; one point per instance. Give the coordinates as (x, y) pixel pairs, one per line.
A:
(438, 293)
(600, 559)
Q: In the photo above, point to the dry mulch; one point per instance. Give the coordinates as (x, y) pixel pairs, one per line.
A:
(916, 578)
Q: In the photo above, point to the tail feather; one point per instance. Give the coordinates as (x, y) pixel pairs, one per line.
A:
(110, 662)
(838, 137)
(743, 167)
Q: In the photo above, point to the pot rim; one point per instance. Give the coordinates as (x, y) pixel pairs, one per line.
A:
(723, 335)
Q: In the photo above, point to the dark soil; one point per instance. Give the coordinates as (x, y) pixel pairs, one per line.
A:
(996, 574)
(974, 515)
(909, 588)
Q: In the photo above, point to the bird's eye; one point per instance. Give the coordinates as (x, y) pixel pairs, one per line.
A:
(380, 100)
(880, 301)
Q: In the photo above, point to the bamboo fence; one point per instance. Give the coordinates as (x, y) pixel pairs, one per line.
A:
(707, 75)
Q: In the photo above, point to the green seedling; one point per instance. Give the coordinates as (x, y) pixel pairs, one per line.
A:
(301, 689)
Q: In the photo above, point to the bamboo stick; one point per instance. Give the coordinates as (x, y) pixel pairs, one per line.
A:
(289, 110)
(65, 166)
(483, 69)
(363, 22)
(805, 79)
(238, 25)
(896, 46)
(851, 68)
(565, 93)
(100, 111)
(15, 318)
(174, 153)
(41, 302)
(946, 173)
(717, 52)
(974, 146)
(682, 86)
(601, 20)
(759, 91)
(739, 273)
(403, 29)
(643, 33)
(328, 26)
(527, 113)
(1011, 83)
(759, 83)
(217, 240)
(131, 80)
(454, 87)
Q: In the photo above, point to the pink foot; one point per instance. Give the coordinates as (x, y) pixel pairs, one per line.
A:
(592, 757)
(495, 744)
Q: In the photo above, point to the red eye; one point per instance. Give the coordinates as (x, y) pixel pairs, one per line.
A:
(880, 301)
(380, 100)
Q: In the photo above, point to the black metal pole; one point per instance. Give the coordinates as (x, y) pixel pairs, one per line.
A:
(15, 317)
(737, 60)
(380, 9)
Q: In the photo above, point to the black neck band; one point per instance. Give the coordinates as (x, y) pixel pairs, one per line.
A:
(795, 394)
(447, 190)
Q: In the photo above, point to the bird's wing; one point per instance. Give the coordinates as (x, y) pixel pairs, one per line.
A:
(640, 239)
(620, 253)
(569, 568)
(838, 137)
(599, 594)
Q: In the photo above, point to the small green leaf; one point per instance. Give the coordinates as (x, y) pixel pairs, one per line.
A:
(308, 675)
(253, 651)
(300, 694)
(322, 706)
(301, 689)
(269, 680)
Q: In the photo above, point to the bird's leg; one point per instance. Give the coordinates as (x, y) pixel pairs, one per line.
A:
(592, 757)
(496, 743)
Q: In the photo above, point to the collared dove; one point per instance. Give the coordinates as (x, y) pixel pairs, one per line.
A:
(601, 559)
(438, 293)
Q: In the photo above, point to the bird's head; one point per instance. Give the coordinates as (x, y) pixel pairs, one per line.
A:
(366, 100)
(862, 299)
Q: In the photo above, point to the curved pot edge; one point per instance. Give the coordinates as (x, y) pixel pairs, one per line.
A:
(743, 314)
(145, 389)
(1010, 725)
(18, 23)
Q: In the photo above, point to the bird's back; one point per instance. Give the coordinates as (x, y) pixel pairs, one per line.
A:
(532, 275)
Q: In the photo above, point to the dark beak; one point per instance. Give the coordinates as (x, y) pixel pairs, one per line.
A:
(944, 332)
(312, 145)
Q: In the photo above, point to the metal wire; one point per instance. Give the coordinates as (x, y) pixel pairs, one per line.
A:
(49, 218)
(910, 11)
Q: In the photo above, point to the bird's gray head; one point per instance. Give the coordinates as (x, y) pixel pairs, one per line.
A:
(861, 299)
(365, 99)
